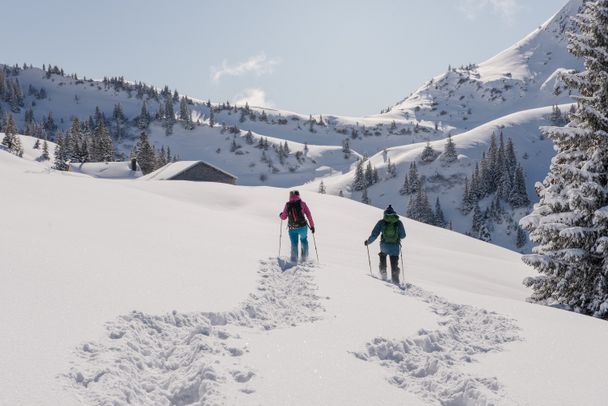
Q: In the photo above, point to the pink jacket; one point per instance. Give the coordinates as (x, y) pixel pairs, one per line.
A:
(304, 207)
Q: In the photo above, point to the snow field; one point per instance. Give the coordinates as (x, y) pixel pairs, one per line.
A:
(428, 364)
(116, 290)
(183, 359)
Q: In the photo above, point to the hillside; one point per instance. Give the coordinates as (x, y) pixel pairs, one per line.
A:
(141, 307)
(512, 92)
(445, 181)
(522, 77)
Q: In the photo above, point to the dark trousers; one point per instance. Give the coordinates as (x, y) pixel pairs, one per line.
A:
(394, 266)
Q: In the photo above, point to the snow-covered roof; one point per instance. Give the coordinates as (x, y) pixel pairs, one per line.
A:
(173, 169)
(107, 170)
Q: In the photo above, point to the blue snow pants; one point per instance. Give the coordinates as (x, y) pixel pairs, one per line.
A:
(300, 233)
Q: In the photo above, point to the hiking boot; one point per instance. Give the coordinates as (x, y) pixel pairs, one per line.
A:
(395, 276)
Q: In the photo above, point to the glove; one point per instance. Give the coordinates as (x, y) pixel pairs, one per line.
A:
(365, 242)
(312, 230)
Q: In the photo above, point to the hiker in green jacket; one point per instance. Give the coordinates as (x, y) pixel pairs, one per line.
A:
(393, 232)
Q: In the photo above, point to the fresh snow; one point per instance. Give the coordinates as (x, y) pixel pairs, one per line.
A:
(107, 170)
(163, 299)
(523, 78)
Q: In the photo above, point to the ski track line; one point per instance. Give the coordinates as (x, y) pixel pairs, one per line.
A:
(427, 364)
(180, 359)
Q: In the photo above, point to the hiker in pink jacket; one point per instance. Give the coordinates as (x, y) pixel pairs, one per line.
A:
(294, 212)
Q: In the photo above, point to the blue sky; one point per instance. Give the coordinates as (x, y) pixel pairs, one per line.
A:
(342, 57)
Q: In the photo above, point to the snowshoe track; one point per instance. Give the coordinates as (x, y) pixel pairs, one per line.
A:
(428, 364)
(183, 359)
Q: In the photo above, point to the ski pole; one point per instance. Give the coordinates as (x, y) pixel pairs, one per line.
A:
(402, 267)
(369, 261)
(315, 241)
(280, 238)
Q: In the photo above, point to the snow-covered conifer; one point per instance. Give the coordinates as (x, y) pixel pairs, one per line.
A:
(519, 196)
(569, 225)
(145, 154)
(449, 153)
(439, 216)
(520, 238)
(45, 151)
(391, 170)
(406, 188)
(322, 189)
(419, 208)
(428, 153)
(477, 220)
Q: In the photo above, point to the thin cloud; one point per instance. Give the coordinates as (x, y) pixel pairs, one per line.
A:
(505, 8)
(257, 65)
(254, 97)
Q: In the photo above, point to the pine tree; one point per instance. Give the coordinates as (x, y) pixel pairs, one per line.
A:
(477, 186)
(556, 117)
(449, 153)
(60, 160)
(490, 180)
(184, 112)
(569, 225)
(359, 182)
(322, 188)
(249, 138)
(369, 174)
(104, 151)
(161, 157)
(510, 157)
(73, 140)
(505, 184)
(419, 208)
(406, 188)
(439, 216)
(519, 196)
(520, 239)
(391, 170)
(477, 220)
(414, 179)
(45, 151)
(9, 130)
(143, 121)
(145, 154)
(37, 143)
(11, 140)
(428, 153)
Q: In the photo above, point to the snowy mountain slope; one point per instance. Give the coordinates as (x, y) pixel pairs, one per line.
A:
(469, 99)
(107, 170)
(66, 97)
(33, 154)
(445, 181)
(521, 77)
(148, 304)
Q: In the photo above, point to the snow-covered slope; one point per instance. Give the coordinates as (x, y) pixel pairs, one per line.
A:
(515, 88)
(522, 77)
(121, 292)
(446, 181)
